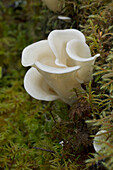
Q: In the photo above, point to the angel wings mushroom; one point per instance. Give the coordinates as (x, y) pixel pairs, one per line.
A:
(58, 64)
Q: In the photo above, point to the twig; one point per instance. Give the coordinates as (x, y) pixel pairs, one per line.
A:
(47, 150)
(52, 116)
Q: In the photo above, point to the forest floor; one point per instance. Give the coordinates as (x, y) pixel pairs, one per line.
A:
(31, 130)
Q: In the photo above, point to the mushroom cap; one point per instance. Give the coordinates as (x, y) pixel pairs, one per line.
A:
(100, 136)
(54, 5)
(79, 53)
(64, 18)
(37, 87)
(58, 39)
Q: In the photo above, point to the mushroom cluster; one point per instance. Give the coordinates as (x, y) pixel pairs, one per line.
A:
(58, 65)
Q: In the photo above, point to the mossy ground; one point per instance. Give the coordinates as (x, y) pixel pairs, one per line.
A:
(30, 130)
